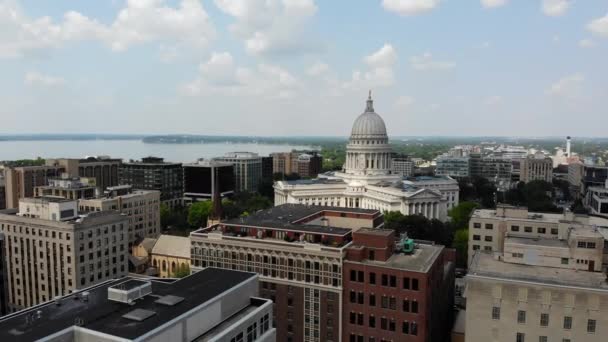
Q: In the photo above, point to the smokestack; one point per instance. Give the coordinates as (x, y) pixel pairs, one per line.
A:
(568, 147)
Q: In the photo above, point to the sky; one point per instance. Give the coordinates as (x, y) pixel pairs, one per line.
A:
(304, 67)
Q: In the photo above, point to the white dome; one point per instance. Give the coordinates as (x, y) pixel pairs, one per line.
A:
(369, 124)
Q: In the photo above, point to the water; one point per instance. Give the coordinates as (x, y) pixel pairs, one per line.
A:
(131, 149)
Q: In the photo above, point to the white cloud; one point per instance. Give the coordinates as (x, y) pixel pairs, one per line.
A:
(317, 69)
(380, 71)
(404, 101)
(220, 74)
(567, 87)
(33, 78)
(493, 3)
(555, 38)
(586, 43)
(599, 26)
(426, 62)
(493, 100)
(140, 21)
(555, 8)
(409, 7)
(271, 26)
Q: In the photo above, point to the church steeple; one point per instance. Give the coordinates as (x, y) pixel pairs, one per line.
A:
(370, 103)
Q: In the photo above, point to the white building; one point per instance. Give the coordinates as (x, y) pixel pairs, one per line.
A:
(597, 200)
(366, 180)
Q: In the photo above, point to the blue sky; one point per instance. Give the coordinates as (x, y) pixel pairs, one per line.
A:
(303, 67)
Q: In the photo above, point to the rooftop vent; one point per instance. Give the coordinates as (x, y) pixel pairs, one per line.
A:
(129, 291)
(169, 300)
(139, 315)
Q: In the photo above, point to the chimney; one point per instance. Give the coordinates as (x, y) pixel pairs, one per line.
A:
(568, 147)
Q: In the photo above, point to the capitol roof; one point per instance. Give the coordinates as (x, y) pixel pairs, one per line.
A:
(369, 124)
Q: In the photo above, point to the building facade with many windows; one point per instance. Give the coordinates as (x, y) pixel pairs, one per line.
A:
(153, 173)
(247, 169)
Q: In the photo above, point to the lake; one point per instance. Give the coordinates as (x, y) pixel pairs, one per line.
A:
(131, 149)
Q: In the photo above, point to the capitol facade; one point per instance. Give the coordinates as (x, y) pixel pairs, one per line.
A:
(367, 179)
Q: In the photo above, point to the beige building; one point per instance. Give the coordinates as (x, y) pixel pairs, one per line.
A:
(171, 254)
(68, 187)
(104, 169)
(51, 250)
(141, 206)
(536, 167)
(20, 182)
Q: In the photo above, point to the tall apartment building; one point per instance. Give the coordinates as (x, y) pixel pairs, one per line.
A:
(50, 250)
(456, 167)
(536, 167)
(298, 252)
(402, 292)
(213, 306)
(68, 187)
(200, 180)
(544, 281)
(402, 165)
(153, 173)
(247, 169)
(142, 208)
(103, 169)
(303, 163)
(21, 181)
(575, 176)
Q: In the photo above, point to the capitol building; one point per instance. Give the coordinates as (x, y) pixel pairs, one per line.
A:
(367, 179)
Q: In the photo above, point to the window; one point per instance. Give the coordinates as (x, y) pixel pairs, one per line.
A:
(392, 304)
(517, 255)
(544, 319)
(488, 238)
(406, 327)
(360, 319)
(489, 226)
(414, 306)
(554, 231)
(476, 237)
(487, 248)
(372, 321)
(372, 300)
(406, 305)
(360, 298)
(521, 317)
(383, 323)
(566, 340)
(475, 247)
(591, 326)
(384, 280)
(393, 281)
(353, 296)
(520, 337)
(415, 284)
(495, 312)
(406, 283)
(353, 317)
(514, 228)
(565, 261)
(528, 229)
(567, 322)
(542, 338)
(414, 328)
(372, 255)
(384, 302)
(372, 278)
(591, 245)
(391, 325)
(360, 276)
(476, 225)
(541, 230)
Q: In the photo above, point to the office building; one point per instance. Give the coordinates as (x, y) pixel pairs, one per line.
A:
(366, 180)
(306, 164)
(396, 292)
(575, 177)
(596, 200)
(545, 280)
(213, 306)
(247, 169)
(68, 187)
(20, 182)
(200, 180)
(495, 169)
(104, 169)
(536, 167)
(593, 175)
(267, 172)
(509, 152)
(153, 173)
(51, 250)
(402, 165)
(142, 208)
(298, 251)
(455, 167)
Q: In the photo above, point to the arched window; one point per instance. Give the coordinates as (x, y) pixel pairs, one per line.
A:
(173, 266)
(164, 265)
(155, 263)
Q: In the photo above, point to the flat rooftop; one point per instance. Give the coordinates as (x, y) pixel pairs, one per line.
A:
(532, 216)
(485, 265)
(420, 260)
(106, 316)
(377, 232)
(284, 216)
(535, 241)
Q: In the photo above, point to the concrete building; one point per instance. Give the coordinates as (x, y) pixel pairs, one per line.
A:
(51, 250)
(303, 163)
(593, 175)
(536, 167)
(212, 306)
(20, 182)
(298, 252)
(3, 277)
(104, 169)
(396, 293)
(142, 207)
(170, 255)
(596, 200)
(447, 186)
(68, 187)
(402, 165)
(489, 231)
(455, 167)
(366, 180)
(153, 173)
(247, 169)
(200, 180)
(575, 177)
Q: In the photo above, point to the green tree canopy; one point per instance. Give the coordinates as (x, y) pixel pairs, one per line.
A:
(461, 244)
(198, 213)
(183, 270)
(461, 213)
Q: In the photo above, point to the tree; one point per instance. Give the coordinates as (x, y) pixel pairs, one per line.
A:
(536, 195)
(418, 227)
(165, 215)
(198, 213)
(183, 270)
(461, 213)
(461, 244)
